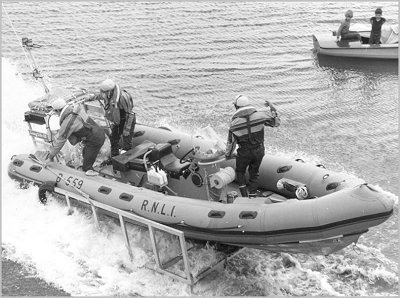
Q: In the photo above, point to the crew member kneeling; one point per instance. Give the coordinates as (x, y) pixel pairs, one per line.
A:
(77, 126)
(247, 130)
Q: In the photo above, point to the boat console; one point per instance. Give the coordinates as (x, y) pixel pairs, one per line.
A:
(167, 161)
(133, 158)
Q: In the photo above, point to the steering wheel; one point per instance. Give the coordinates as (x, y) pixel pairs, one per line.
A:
(184, 158)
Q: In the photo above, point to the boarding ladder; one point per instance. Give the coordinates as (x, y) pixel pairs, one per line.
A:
(162, 266)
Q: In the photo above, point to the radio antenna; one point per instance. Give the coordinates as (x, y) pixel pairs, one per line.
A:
(28, 45)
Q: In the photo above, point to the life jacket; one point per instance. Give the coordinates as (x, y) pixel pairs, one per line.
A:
(247, 126)
(120, 100)
(79, 118)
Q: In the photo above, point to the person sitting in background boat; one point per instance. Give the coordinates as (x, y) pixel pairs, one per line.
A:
(77, 126)
(118, 105)
(247, 130)
(344, 32)
(376, 22)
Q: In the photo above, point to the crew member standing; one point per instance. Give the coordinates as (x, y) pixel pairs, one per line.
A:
(118, 105)
(77, 126)
(376, 27)
(247, 130)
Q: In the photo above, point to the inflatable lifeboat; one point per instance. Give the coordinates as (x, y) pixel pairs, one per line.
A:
(184, 181)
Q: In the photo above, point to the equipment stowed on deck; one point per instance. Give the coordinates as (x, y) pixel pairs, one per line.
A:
(182, 259)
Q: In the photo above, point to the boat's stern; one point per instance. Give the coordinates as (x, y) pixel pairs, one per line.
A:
(13, 166)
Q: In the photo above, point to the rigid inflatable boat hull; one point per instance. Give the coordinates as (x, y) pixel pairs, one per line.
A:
(248, 223)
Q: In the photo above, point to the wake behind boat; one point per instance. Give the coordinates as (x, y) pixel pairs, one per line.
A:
(185, 182)
(327, 44)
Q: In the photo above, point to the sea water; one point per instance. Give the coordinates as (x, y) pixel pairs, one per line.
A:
(184, 62)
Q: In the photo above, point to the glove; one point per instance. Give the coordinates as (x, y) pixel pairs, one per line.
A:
(91, 97)
(42, 155)
(47, 158)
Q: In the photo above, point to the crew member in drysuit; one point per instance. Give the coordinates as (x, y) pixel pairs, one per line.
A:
(247, 130)
(118, 105)
(77, 126)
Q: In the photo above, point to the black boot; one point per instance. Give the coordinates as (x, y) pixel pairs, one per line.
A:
(243, 190)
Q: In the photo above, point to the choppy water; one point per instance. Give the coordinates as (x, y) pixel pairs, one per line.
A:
(184, 62)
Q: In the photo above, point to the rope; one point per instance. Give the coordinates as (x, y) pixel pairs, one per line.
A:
(223, 177)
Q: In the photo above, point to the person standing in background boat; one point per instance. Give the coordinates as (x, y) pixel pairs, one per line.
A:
(118, 105)
(247, 130)
(77, 126)
(377, 21)
(344, 32)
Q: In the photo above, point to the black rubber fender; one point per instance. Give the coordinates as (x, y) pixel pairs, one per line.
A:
(47, 186)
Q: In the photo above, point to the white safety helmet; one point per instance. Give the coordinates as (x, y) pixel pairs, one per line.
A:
(59, 104)
(107, 85)
(241, 101)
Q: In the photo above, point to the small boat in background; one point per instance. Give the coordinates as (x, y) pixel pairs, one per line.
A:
(327, 44)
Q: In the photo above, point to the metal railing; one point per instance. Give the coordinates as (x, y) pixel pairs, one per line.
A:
(152, 226)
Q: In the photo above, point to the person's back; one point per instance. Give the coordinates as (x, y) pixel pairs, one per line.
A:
(249, 135)
(247, 130)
